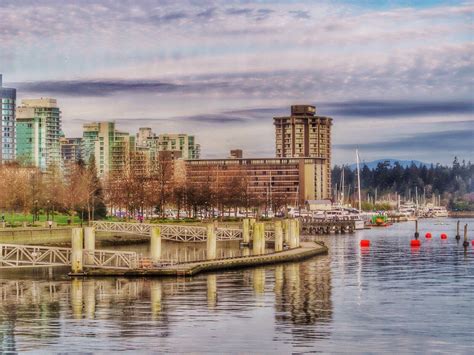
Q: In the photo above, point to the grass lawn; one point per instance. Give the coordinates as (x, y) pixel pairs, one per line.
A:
(19, 218)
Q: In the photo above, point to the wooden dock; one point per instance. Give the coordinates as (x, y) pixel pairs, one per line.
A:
(312, 226)
(306, 250)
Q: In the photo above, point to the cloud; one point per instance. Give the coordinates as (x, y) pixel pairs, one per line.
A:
(239, 11)
(448, 141)
(226, 63)
(397, 108)
(300, 14)
(109, 87)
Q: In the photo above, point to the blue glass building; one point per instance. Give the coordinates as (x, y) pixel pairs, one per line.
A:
(7, 123)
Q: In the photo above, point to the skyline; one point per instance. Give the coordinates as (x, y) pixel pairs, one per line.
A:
(397, 79)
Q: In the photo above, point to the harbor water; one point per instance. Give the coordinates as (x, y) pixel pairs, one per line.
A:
(389, 297)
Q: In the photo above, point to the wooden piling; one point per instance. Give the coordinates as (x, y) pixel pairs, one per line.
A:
(466, 242)
(458, 235)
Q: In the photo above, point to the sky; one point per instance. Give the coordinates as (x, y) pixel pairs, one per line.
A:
(396, 76)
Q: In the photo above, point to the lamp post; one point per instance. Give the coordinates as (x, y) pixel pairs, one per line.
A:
(47, 210)
(35, 211)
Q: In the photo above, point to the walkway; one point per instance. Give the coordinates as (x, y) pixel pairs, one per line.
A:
(306, 250)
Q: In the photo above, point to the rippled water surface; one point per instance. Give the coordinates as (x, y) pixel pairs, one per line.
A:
(387, 298)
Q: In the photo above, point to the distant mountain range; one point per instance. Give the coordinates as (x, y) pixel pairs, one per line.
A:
(373, 164)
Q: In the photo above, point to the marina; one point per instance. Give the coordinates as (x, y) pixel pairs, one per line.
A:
(297, 306)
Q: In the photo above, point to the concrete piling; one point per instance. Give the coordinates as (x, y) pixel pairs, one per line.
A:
(155, 244)
(259, 238)
(89, 243)
(246, 231)
(278, 236)
(297, 232)
(286, 231)
(77, 246)
(292, 235)
(211, 242)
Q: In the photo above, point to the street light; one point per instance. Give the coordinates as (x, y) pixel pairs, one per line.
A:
(47, 210)
(35, 211)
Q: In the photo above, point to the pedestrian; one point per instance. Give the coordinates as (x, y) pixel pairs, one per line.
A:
(50, 224)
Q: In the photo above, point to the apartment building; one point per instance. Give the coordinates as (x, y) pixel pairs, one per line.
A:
(304, 134)
(7, 123)
(109, 147)
(38, 130)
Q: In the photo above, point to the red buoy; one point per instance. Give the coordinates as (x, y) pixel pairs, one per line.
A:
(444, 236)
(428, 235)
(415, 243)
(365, 243)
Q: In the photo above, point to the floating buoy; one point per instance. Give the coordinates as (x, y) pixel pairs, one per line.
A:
(415, 243)
(365, 243)
(444, 236)
(428, 235)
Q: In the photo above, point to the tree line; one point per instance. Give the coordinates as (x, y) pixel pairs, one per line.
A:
(454, 183)
(28, 190)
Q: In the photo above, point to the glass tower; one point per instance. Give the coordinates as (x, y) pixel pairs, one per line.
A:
(7, 123)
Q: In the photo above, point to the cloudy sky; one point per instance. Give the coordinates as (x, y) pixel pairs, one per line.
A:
(396, 76)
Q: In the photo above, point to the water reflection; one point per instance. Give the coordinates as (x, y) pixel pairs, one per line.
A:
(32, 310)
(378, 299)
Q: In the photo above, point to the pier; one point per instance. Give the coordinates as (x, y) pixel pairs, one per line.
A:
(174, 232)
(312, 226)
(306, 250)
(84, 259)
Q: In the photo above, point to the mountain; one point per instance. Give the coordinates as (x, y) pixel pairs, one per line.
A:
(373, 164)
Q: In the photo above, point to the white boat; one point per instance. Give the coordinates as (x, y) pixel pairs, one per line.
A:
(438, 211)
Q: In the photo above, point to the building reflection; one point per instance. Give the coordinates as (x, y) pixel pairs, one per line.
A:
(303, 297)
(299, 294)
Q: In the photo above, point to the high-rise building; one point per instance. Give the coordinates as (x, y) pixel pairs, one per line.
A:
(303, 134)
(71, 152)
(182, 143)
(38, 129)
(7, 123)
(110, 147)
(144, 133)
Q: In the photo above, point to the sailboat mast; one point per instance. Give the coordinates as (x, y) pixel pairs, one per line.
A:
(358, 179)
(342, 186)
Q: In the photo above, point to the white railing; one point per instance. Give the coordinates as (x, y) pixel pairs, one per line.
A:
(12, 255)
(110, 259)
(175, 232)
(17, 256)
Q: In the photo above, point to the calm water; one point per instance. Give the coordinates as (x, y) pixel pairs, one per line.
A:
(385, 299)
